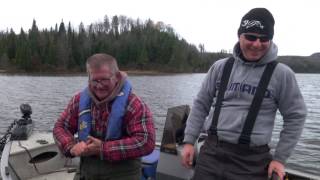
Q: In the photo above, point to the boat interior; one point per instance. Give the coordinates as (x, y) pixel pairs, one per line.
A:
(35, 156)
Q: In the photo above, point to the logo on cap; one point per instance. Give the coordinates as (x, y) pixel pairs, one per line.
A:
(248, 24)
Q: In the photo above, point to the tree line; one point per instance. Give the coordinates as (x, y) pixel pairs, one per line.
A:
(137, 45)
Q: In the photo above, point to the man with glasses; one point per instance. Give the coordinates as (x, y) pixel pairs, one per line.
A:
(245, 92)
(115, 127)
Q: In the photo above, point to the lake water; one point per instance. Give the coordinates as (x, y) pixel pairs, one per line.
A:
(49, 95)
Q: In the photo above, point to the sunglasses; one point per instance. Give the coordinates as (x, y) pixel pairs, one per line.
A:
(253, 38)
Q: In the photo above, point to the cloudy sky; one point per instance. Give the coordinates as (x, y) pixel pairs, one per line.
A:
(213, 23)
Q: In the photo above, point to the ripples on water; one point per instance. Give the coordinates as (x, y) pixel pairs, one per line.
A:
(49, 95)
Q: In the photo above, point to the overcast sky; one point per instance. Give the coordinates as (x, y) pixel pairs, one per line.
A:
(213, 23)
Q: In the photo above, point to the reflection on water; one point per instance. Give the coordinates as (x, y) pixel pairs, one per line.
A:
(48, 96)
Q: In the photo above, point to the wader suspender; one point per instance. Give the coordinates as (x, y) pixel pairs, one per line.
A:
(255, 105)
(222, 88)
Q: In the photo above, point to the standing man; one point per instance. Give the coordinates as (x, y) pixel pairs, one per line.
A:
(114, 126)
(245, 92)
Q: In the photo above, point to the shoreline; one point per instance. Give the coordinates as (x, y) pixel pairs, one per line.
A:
(75, 73)
(142, 72)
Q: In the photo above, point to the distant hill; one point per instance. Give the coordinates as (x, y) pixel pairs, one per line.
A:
(316, 55)
(302, 64)
(299, 64)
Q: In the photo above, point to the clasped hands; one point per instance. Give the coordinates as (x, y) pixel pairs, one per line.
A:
(87, 148)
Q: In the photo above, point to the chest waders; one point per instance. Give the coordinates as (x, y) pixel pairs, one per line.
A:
(255, 106)
(93, 168)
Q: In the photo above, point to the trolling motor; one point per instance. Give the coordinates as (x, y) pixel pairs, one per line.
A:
(24, 125)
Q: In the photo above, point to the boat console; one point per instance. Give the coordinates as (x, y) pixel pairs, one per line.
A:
(169, 165)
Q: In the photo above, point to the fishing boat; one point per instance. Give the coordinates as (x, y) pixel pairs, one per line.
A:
(29, 155)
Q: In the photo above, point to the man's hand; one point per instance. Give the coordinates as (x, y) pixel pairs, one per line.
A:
(93, 146)
(277, 167)
(187, 155)
(78, 149)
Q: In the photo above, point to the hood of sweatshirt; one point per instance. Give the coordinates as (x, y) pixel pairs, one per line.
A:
(244, 71)
(270, 56)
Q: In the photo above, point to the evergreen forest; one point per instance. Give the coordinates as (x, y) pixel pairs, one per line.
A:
(137, 45)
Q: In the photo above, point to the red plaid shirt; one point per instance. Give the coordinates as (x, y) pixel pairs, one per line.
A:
(138, 137)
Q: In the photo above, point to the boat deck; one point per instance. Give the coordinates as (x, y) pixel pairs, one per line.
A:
(56, 175)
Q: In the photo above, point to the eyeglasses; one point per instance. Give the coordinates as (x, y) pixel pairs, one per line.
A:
(103, 82)
(251, 37)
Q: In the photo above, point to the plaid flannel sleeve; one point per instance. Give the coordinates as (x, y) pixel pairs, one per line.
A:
(140, 138)
(66, 126)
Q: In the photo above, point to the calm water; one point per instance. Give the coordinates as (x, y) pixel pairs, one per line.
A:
(49, 95)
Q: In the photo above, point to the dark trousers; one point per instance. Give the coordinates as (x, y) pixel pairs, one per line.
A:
(92, 168)
(220, 160)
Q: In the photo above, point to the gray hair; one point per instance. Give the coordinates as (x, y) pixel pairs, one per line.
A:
(96, 61)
